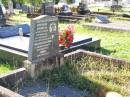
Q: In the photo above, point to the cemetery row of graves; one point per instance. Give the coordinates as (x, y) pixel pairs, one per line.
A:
(43, 53)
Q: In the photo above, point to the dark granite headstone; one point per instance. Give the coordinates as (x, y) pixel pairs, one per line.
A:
(2, 17)
(18, 6)
(82, 9)
(25, 8)
(44, 38)
(47, 8)
(102, 19)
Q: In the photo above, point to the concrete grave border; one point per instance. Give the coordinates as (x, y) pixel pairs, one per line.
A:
(79, 53)
(13, 78)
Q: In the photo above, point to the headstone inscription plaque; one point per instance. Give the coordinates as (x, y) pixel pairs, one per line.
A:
(44, 38)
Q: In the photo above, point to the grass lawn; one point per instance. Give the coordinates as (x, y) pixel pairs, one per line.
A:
(108, 10)
(5, 68)
(116, 44)
(119, 18)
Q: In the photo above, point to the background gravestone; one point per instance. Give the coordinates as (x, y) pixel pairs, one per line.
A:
(18, 6)
(10, 7)
(2, 17)
(44, 38)
(25, 8)
(102, 19)
(47, 8)
(83, 7)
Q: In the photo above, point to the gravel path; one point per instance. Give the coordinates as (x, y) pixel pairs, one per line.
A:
(39, 89)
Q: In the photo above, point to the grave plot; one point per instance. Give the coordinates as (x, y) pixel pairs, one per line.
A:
(38, 50)
(72, 18)
(116, 25)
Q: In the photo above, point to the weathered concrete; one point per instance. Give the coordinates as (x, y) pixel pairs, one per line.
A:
(4, 92)
(13, 78)
(107, 59)
(35, 69)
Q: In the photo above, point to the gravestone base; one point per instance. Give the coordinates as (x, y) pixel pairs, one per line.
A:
(35, 70)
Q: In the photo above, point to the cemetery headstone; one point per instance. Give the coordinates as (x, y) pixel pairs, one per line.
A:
(65, 10)
(47, 8)
(83, 7)
(25, 8)
(10, 7)
(2, 17)
(3, 8)
(115, 5)
(44, 38)
(102, 19)
(18, 6)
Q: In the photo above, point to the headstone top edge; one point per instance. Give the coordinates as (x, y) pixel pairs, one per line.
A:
(43, 16)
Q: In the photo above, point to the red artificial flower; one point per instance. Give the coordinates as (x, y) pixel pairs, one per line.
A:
(70, 38)
(61, 40)
(67, 32)
(66, 36)
(67, 45)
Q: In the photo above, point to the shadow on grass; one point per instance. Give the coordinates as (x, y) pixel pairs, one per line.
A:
(105, 51)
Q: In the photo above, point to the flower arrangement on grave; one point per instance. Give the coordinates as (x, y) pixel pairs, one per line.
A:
(66, 36)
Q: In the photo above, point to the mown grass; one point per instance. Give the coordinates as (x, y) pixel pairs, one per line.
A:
(5, 68)
(119, 18)
(113, 43)
(108, 10)
(19, 18)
